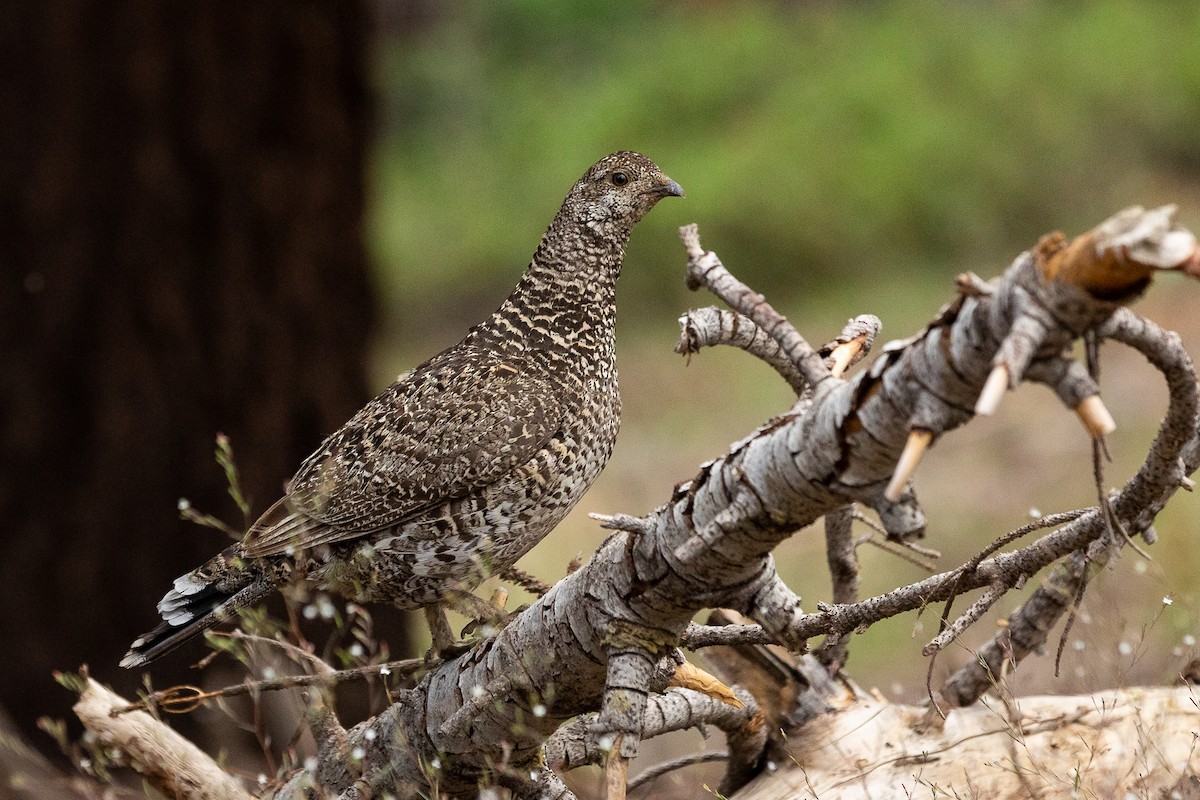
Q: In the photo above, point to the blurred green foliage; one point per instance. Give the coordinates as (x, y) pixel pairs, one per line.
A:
(841, 157)
(828, 150)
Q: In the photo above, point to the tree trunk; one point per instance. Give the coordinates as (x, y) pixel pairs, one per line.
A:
(181, 232)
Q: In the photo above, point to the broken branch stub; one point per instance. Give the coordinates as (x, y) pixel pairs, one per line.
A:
(1111, 264)
(1047, 299)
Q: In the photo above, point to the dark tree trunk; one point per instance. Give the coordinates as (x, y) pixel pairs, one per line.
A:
(181, 235)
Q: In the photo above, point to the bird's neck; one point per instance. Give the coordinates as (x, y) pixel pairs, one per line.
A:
(567, 297)
(591, 249)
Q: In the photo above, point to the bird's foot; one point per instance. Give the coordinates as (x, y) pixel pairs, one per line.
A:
(445, 646)
(447, 651)
(491, 624)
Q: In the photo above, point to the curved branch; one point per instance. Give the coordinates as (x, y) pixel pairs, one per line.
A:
(1174, 454)
(705, 269)
(573, 745)
(709, 327)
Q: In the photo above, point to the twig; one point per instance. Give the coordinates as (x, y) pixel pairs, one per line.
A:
(529, 583)
(967, 618)
(624, 522)
(185, 699)
(843, 572)
(170, 763)
(906, 551)
(708, 327)
(696, 636)
(658, 770)
(1078, 572)
(298, 654)
(705, 269)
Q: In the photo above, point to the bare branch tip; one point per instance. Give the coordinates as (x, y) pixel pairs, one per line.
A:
(689, 676)
(1095, 416)
(993, 391)
(616, 773)
(622, 522)
(690, 236)
(918, 442)
(842, 357)
(1148, 237)
(968, 284)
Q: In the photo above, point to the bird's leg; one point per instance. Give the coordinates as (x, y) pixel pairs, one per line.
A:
(444, 643)
(482, 613)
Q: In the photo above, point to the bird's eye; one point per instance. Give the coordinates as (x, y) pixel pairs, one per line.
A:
(620, 178)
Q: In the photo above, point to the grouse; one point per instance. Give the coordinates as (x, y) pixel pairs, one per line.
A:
(467, 461)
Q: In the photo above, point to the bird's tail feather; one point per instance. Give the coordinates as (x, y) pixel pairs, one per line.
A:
(197, 602)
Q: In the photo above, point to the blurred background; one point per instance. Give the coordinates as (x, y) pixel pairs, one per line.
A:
(247, 220)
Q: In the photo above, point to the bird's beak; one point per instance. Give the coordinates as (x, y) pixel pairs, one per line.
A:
(674, 189)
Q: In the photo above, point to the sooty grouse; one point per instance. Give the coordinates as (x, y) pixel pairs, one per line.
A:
(463, 464)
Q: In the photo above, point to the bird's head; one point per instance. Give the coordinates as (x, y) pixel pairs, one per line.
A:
(617, 191)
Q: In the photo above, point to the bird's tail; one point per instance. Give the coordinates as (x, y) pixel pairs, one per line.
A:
(200, 599)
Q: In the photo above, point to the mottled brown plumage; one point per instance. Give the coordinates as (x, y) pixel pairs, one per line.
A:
(463, 464)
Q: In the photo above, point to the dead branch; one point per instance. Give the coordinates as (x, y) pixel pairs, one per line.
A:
(598, 641)
(574, 745)
(1174, 452)
(185, 699)
(705, 269)
(841, 554)
(170, 763)
(710, 327)
(1118, 743)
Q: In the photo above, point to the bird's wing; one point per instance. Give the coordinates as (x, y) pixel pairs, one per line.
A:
(457, 424)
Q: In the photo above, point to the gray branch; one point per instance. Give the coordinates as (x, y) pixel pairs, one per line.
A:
(590, 653)
(1174, 455)
(591, 642)
(573, 745)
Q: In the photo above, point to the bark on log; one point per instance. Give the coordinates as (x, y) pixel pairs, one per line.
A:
(1127, 742)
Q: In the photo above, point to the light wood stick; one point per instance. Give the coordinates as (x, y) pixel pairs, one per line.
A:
(689, 676)
(1095, 416)
(616, 773)
(918, 442)
(993, 391)
(171, 764)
